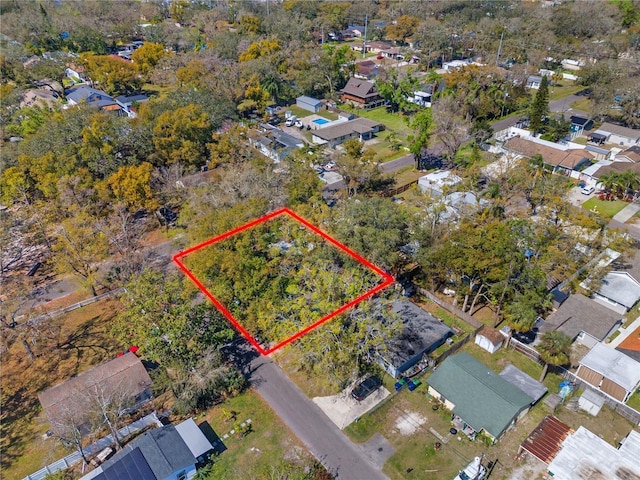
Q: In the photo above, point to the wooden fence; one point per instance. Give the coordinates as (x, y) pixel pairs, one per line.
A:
(465, 317)
(391, 192)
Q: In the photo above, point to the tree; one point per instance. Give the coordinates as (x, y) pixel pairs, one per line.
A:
(160, 316)
(451, 128)
(540, 107)
(397, 91)
(420, 123)
(357, 166)
(147, 57)
(180, 136)
(402, 28)
(260, 48)
(554, 349)
(79, 247)
(114, 75)
(132, 185)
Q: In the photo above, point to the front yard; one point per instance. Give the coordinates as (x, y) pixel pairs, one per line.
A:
(605, 208)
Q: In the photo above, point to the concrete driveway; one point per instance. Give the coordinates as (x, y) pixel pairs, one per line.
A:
(343, 409)
(576, 197)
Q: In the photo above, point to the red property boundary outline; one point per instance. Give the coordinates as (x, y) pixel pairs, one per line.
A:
(387, 279)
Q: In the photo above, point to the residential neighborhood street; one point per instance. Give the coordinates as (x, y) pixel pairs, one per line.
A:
(315, 430)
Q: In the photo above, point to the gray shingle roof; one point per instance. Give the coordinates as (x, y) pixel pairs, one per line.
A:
(338, 130)
(163, 449)
(90, 95)
(579, 313)
(481, 397)
(530, 386)
(420, 332)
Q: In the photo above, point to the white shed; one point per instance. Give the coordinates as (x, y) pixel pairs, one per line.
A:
(591, 402)
(489, 339)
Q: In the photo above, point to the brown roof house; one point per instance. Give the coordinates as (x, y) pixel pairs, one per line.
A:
(123, 380)
(545, 441)
(558, 158)
(361, 93)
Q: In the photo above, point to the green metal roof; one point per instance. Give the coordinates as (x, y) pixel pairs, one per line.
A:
(482, 398)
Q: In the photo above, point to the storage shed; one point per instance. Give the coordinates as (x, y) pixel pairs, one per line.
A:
(489, 339)
(591, 402)
(308, 103)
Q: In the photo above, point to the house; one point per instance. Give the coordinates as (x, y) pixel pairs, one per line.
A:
(434, 183)
(165, 453)
(545, 441)
(127, 103)
(361, 93)
(366, 70)
(533, 81)
(123, 376)
(579, 125)
(610, 371)
(616, 134)
(630, 155)
(598, 152)
(421, 334)
(583, 320)
(353, 31)
(376, 46)
(526, 384)
(480, 400)
(569, 64)
(584, 455)
(559, 157)
(333, 135)
(75, 72)
(597, 138)
(93, 97)
(456, 64)
(619, 292)
(308, 103)
(617, 167)
(489, 339)
(274, 143)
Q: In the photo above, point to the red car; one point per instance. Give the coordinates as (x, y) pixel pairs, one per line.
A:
(379, 57)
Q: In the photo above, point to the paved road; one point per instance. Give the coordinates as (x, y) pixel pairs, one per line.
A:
(397, 164)
(324, 440)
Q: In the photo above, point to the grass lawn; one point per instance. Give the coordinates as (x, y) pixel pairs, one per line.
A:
(301, 112)
(604, 208)
(415, 449)
(634, 401)
(583, 104)
(268, 443)
(564, 89)
(580, 140)
(392, 121)
(83, 341)
(405, 176)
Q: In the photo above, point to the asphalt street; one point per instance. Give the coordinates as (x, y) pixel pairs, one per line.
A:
(315, 430)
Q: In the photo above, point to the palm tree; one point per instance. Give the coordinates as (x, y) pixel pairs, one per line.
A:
(273, 86)
(553, 349)
(608, 181)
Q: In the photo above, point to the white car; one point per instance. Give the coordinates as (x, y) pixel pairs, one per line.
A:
(474, 471)
(588, 190)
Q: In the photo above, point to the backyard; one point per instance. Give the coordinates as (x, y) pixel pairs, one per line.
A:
(77, 341)
(408, 419)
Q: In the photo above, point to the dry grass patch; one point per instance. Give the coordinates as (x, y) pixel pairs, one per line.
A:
(74, 343)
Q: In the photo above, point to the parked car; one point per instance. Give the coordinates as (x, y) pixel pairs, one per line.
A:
(366, 388)
(526, 337)
(588, 190)
(379, 57)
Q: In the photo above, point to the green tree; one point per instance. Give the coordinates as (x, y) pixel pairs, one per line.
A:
(420, 123)
(113, 75)
(357, 167)
(161, 318)
(540, 107)
(147, 57)
(180, 136)
(132, 185)
(554, 349)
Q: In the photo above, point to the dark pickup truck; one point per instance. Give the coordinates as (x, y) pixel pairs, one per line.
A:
(366, 388)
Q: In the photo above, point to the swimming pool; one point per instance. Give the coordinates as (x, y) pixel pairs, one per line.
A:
(320, 121)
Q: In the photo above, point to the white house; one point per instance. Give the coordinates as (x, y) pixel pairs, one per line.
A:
(434, 183)
(619, 292)
(616, 134)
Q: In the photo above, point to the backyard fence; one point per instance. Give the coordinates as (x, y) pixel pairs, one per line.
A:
(465, 317)
(526, 350)
(395, 191)
(94, 448)
(70, 308)
(619, 407)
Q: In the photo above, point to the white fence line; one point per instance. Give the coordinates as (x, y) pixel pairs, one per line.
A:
(94, 448)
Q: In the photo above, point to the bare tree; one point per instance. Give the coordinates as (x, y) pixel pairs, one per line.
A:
(452, 129)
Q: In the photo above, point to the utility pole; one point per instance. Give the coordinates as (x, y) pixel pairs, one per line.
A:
(267, 8)
(322, 33)
(364, 42)
(499, 48)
